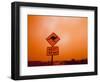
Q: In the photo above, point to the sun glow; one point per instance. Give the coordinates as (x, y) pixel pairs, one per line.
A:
(71, 30)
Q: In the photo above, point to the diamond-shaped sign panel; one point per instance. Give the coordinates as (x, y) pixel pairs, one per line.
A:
(52, 39)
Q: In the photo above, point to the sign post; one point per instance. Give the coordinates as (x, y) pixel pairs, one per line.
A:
(51, 59)
(53, 50)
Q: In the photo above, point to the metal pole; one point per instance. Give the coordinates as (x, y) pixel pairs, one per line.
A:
(51, 59)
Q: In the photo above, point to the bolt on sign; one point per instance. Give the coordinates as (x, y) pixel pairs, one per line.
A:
(52, 39)
(52, 50)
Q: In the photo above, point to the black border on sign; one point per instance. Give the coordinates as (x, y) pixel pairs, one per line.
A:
(15, 40)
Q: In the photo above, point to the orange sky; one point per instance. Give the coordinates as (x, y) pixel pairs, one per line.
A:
(71, 30)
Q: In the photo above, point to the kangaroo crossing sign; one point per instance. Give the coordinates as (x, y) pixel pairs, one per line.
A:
(53, 50)
(52, 39)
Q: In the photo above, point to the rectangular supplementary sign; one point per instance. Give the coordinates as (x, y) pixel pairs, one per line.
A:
(53, 50)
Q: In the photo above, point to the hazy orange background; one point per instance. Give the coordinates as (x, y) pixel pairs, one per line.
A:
(71, 30)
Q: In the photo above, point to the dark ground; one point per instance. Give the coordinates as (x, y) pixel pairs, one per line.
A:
(48, 63)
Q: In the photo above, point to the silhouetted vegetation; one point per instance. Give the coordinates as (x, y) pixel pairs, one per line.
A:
(48, 63)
